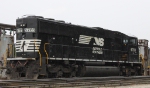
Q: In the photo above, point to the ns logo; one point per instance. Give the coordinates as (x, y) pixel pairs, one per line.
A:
(99, 41)
(84, 39)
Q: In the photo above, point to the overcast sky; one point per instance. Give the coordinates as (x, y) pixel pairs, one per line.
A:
(127, 16)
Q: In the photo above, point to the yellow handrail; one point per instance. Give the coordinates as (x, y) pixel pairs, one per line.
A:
(40, 58)
(10, 50)
(142, 59)
(5, 58)
(46, 52)
(39, 54)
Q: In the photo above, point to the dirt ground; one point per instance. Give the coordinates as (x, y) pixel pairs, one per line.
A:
(136, 86)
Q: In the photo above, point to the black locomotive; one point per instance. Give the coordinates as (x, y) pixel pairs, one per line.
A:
(51, 48)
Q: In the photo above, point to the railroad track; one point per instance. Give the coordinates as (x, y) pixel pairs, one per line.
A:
(76, 82)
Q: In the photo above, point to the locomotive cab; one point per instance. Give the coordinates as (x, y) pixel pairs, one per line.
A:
(130, 48)
(133, 51)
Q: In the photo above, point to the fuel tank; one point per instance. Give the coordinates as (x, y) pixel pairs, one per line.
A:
(100, 71)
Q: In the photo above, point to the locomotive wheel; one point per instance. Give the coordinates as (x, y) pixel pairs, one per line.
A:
(32, 76)
(69, 75)
(41, 76)
(73, 74)
(59, 74)
(128, 71)
(58, 71)
(120, 73)
(32, 71)
(135, 72)
(81, 71)
(53, 75)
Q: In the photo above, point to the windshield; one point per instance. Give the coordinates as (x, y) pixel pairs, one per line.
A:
(133, 41)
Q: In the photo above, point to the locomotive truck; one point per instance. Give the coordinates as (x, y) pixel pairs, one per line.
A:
(48, 48)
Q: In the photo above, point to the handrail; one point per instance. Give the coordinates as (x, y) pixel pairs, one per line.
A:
(39, 54)
(5, 58)
(142, 59)
(46, 52)
(10, 50)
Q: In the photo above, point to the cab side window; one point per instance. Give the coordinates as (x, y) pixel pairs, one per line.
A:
(133, 41)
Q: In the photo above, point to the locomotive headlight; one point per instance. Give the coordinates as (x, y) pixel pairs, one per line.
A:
(23, 25)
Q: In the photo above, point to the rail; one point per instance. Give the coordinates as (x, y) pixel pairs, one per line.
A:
(85, 82)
